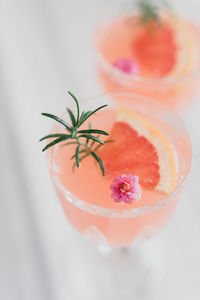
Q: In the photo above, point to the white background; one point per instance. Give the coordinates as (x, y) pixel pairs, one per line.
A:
(45, 49)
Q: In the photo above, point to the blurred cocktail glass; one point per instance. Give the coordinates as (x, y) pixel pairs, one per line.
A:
(156, 56)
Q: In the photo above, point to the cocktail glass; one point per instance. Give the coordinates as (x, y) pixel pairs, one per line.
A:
(113, 229)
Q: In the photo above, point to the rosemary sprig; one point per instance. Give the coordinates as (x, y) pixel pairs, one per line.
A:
(149, 10)
(86, 142)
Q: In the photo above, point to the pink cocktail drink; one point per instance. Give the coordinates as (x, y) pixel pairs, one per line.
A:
(166, 54)
(150, 142)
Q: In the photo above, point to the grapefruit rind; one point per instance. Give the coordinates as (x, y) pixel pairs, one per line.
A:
(186, 37)
(166, 158)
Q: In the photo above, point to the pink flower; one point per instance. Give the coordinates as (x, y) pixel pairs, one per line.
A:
(126, 188)
(127, 65)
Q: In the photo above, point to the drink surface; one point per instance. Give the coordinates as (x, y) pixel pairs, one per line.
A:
(169, 49)
(87, 182)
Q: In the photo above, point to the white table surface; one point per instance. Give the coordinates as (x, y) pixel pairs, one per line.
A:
(45, 49)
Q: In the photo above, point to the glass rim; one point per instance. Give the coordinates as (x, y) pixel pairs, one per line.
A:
(134, 212)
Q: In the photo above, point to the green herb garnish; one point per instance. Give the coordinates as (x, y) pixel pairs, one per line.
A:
(86, 142)
(149, 10)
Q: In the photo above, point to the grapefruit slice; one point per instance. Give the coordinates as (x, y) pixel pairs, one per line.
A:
(155, 49)
(140, 149)
(172, 49)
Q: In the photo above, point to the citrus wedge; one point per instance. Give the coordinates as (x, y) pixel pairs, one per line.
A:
(187, 39)
(140, 149)
(155, 49)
